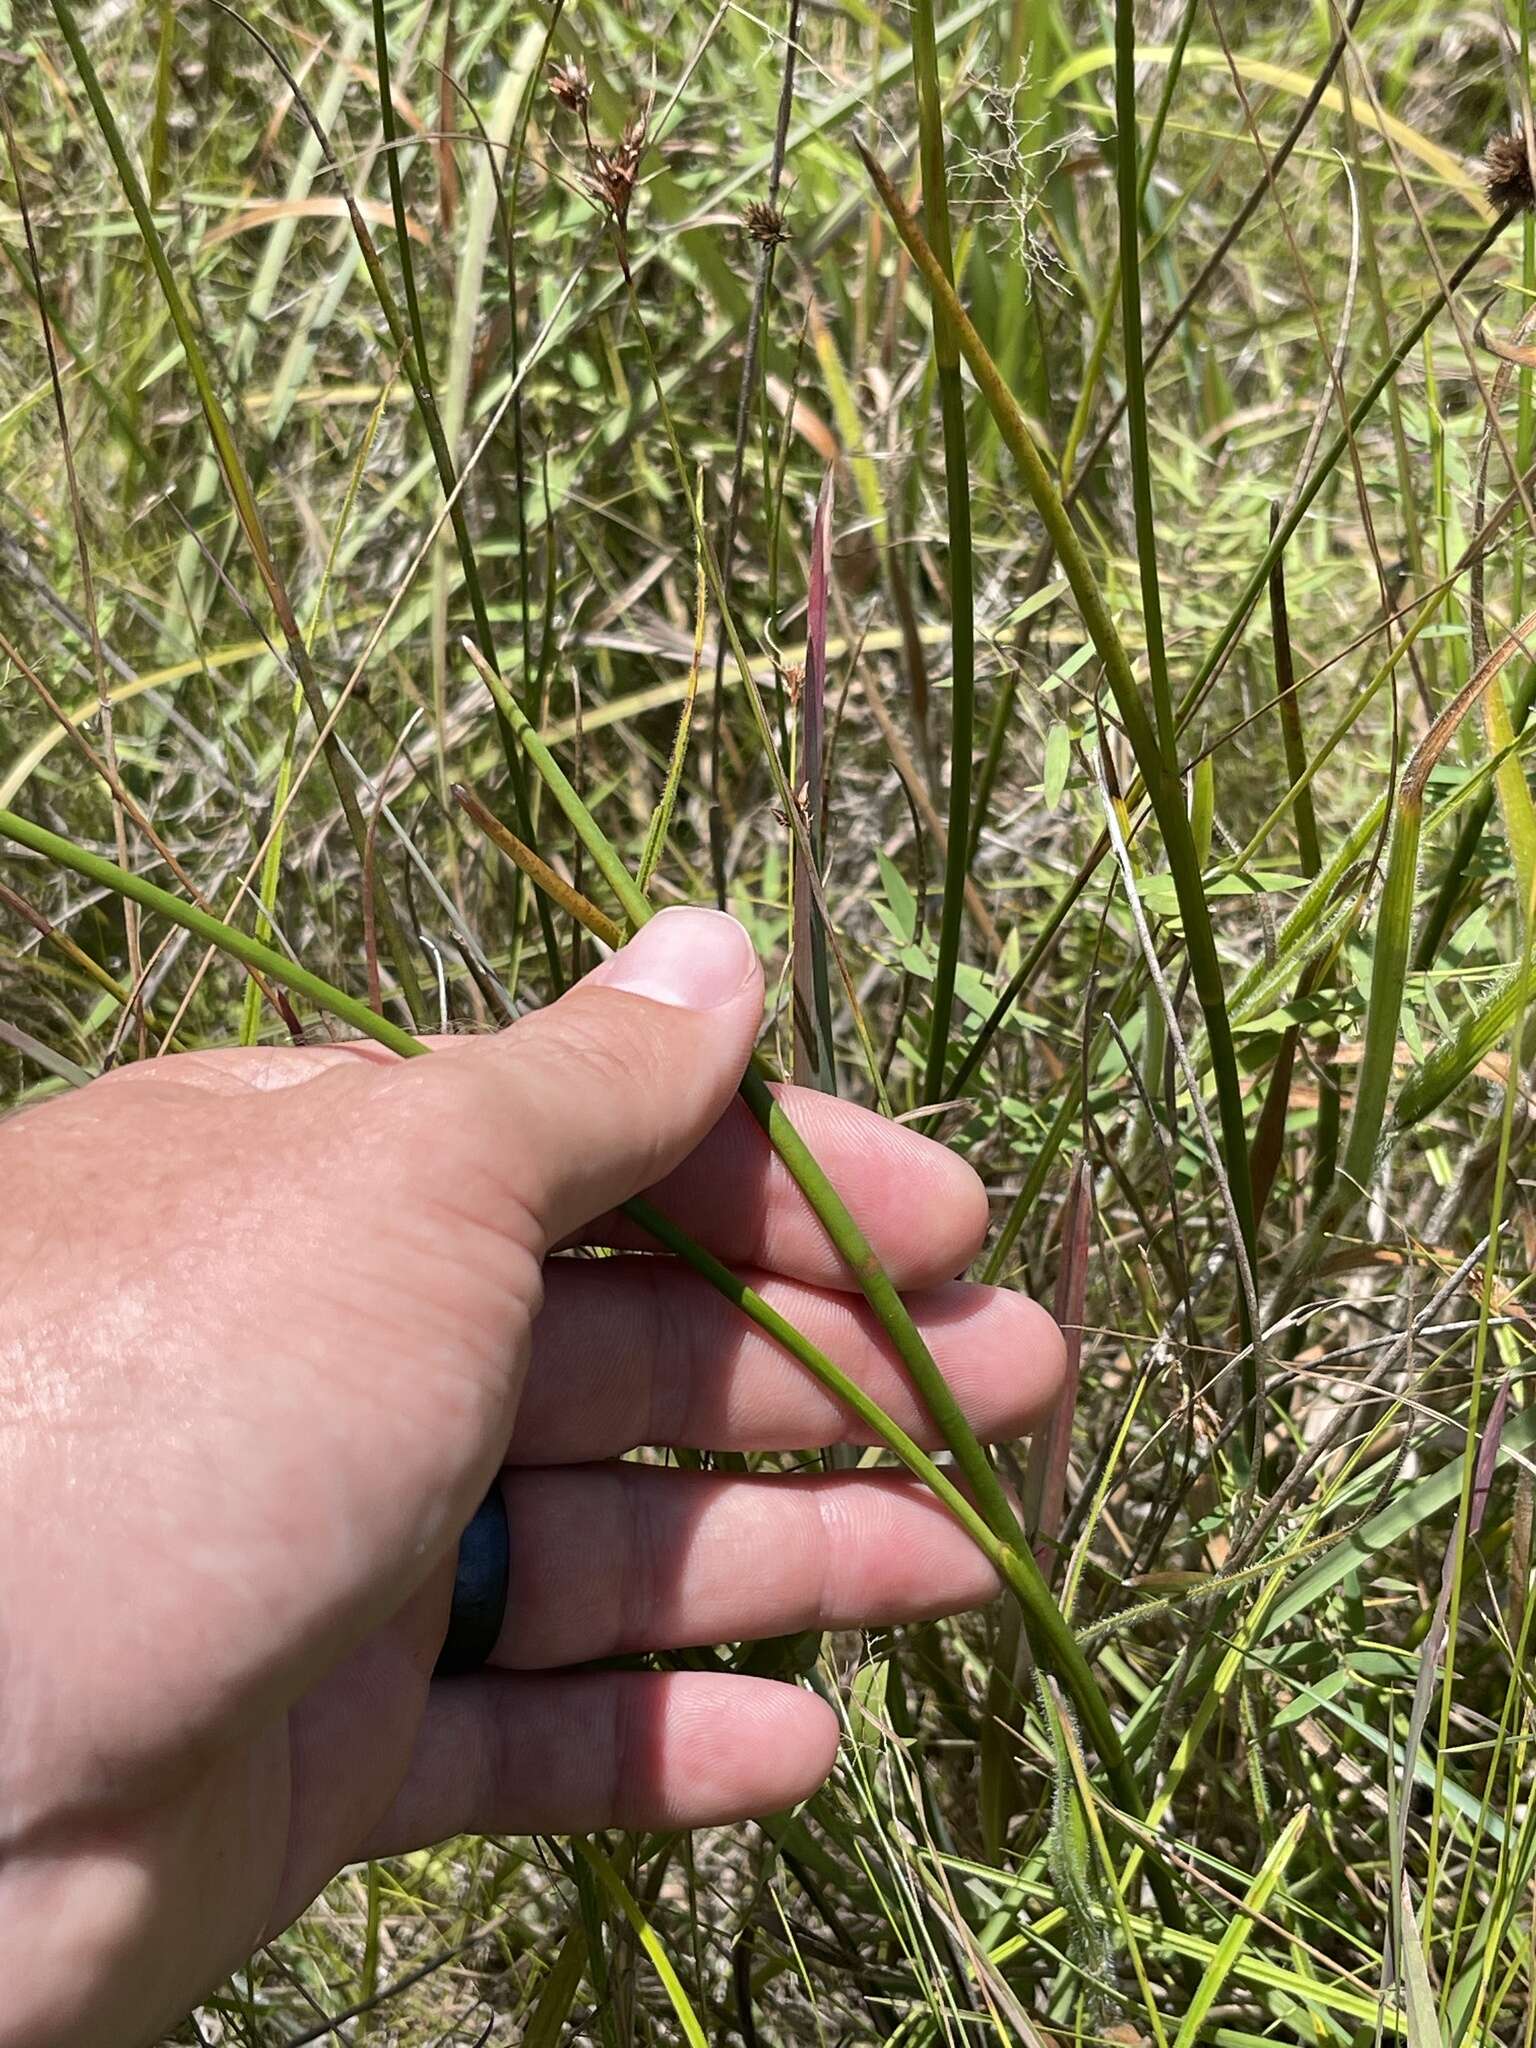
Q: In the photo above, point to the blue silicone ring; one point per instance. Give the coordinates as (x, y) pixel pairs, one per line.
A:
(479, 1607)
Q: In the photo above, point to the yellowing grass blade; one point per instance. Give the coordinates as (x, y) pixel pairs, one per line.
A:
(1240, 1930)
(618, 1894)
(1443, 163)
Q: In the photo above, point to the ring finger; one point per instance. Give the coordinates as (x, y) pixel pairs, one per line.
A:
(612, 1559)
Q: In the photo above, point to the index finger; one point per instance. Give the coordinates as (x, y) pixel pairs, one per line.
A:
(921, 1206)
(923, 1209)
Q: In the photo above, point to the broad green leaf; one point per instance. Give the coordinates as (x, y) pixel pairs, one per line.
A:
(902, 921)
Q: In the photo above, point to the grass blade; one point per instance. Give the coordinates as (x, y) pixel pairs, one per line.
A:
(418, 375)
(539, 872)
(661, 818)
(238, 483)
(1055, 1644)
(815, 1063)
(1394, 933)
(1240, 1929)
(1128, 186)
(620, 1896)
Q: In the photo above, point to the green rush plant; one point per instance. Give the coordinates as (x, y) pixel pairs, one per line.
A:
(238, 481)
(957, 500)
(471, 476)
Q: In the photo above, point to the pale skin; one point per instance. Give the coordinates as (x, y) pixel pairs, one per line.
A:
(272, 1323)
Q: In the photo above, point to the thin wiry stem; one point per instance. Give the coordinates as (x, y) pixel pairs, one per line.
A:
(1252, 1387)
(764, 285)
(1162, 783)
(1128, 187)
(1054, 1641)
(962, 598)
(418, 377)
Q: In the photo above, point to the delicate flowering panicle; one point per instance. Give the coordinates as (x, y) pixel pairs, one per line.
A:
(1507, 173)
(765, 224)
(569, 85)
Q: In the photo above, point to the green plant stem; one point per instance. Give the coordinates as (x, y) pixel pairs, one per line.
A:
(1129, 194)
(211, 930)
(957, 495)
(1449, 888)
(1389, 967)
(390, 132)
(418, 377)
(1162, 783)
(272, 860)
(1389, 972)
(1053, 1641)
(828, 1205)
(1232, 231)
(1258, 580)
(1257, 583)
(744, 398)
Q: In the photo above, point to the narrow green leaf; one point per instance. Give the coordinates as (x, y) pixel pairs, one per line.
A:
(1164, 787)
(1239, 1930)
(1058, 762)
(546, 2028)
(957, 501)
(1420, 2010)
(620, 1896)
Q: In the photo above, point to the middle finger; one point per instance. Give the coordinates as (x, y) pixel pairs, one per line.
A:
(630, 1351)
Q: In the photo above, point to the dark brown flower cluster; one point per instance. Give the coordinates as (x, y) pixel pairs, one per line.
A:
(765, 224)
(612, 172)
(569, 85)
(1507, 173)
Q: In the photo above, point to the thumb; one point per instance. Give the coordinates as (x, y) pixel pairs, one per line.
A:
(611, 1087)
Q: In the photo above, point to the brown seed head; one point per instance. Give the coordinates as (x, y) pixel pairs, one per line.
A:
(612, 183)
(612, 172)
(765, 224)
(568, 83)
(1507, 173)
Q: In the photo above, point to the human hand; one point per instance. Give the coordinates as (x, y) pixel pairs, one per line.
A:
(274, 1321)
